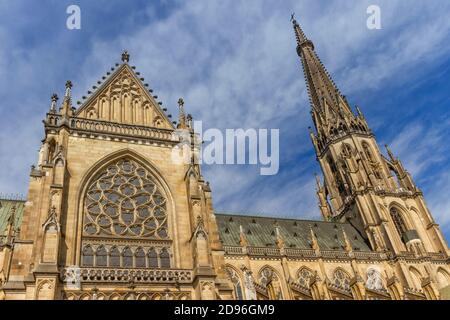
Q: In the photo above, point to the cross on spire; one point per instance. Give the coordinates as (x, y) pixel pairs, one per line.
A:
(125, 56)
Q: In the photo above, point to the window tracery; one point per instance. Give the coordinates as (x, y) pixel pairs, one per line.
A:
(125, 201)
(341, 280)
(269, 279)
(304, 277)
(236, 280)
(125, 210)
(398, 221)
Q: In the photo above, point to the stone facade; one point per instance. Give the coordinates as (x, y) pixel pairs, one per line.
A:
(110, 215)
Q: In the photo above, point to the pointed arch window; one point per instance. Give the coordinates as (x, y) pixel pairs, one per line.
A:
(341, 280)
(304, 277)
(127, 258)
(368, 152)
(398, 221)
(114, 257)
(152, 258)
(236, 281)
(101, 257)
(125, 202)
(140, 258)
(88, 256)
(164, 258)
(269, 279)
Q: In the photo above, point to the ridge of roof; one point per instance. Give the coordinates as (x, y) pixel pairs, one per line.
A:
(255, 215)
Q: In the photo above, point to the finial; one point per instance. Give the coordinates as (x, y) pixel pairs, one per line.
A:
(293, 18)
(389, 151)
(348, 246)
(54, 100)
(68, 89)
(319, 186)
(125, 56)
(12, 217)
(181, 114)
(314, 242)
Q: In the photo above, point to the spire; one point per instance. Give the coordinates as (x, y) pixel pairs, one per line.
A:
(299, 34)
(66, 107)
(53, 104)
(68, 94)
(242, 237)
(325, 98)
(280, 239)
(348, 245)
(314, 242)
(181, 114)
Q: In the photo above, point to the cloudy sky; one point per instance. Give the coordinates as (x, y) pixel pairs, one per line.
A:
(235, 64)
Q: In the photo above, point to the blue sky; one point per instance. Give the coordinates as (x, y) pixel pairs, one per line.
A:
(235, 64)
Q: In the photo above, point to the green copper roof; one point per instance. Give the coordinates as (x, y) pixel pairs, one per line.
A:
(5, 213)
(260, 232)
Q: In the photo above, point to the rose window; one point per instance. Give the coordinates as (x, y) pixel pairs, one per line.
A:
(125, 201)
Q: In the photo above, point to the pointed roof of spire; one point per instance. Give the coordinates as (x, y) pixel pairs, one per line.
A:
(324, 95)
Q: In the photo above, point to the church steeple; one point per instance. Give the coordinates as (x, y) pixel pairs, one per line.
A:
(330, 110)
(360, 185)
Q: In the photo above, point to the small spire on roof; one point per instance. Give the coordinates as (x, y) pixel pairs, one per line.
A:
(53, 104)
(348, 245)
(66, 107)
(181, 114)
(319, 185)
(314, 242)
(69, 86)
(125, 56)
(242, 237)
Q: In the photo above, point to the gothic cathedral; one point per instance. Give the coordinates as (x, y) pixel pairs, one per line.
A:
(109, 216)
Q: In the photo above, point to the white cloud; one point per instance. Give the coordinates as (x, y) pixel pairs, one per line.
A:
(235, 64)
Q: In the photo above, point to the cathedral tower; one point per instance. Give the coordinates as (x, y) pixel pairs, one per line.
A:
(362, 186)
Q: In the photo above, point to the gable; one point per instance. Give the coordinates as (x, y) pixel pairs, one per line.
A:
(122, 98)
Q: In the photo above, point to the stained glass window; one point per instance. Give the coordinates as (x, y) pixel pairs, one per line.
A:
(88, 256)
(341, 280)
(123, 204)
(164, 258)
(152, 258)
(140, 258)
(127, 258)
(114, 259)
(304, 277)
(101, 257)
